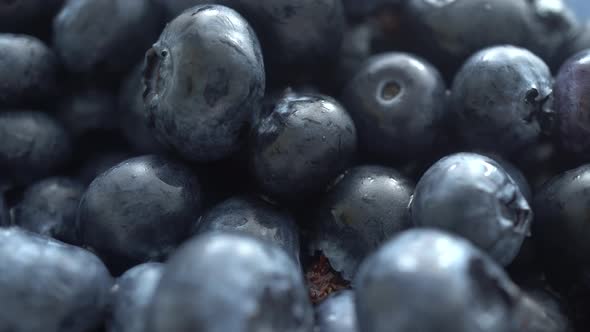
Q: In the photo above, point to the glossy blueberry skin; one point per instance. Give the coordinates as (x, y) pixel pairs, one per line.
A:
(49, 208)
(501, 100)
(230, 282)
(251, 215)
(27, 15)
(337, 313)
(292, 32)
(572, 104)
(515, 173)
(204, 78)
(397, 101)
(473, 196)
(363, 207)
(302, 144)
(131, 296)
(34, 145)
(139, 210)
(88, 109)
(49, 286)
(108, 35)
(28, 69)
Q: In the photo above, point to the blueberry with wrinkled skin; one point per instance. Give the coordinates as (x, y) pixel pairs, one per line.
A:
(86, 110)
(230, 282)
(428, 280)
(131, 296)
(501, 100)
(49, 286)
(27, 15)
(473, 196)
(107, 35)
(251, 215)
(302, 144)
(34, 145)
(132, 115)
(28, 69)
(364, 207)
(204, 78)
(572, 105)
(49, 208)
(139, 210)
(337, 313)
(397, 101)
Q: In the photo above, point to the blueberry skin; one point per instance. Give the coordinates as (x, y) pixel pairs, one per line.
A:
(473, 196)
(397, 101)
(251, 215)
(49, 286)
(131, 297)
(501, 99)
(301, 145)
(34, 145)
(139, 210)
(28, 69)
(572, 105)
(27, 15)
(337, 313)
(204, 78)
(86, 110)
(364, 207)
(120, 32)
(515, 173)
(230, 282)
(99, 163)
(49, 208)
(428, 280)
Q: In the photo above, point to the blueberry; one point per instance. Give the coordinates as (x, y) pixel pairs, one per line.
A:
(28, 69)
(572, 106)
(34, 145)
(27, 15)
(515, 173)
(49, 208)
(364, 207)
(251, 215)
(299, 146)
(139, 210)
(549, 303)
(337, 313)
(131, 296)
(473, 196)
(396, 101)
(204, 78)
(230, 282)
(501, 100)
(88, 109)
(49, 286)
(110, 35)
(98, 163)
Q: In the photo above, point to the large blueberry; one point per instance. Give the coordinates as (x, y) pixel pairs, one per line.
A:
(300, 145)
(364, 207)
(337, 313)
(204, 79)
(139, 210)
(49, 286)
(473, 196)
(230, 282)
(97, 163)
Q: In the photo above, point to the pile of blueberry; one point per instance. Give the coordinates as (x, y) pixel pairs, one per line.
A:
(294, 166)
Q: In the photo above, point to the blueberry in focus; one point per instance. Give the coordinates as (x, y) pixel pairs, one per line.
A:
(107, 35)
(515, 173)
(362, 208)
(131, 296)
(230, 282)
(501, 100)
(203, 79)
(34, 145)
(473, 196)
(98, 163)
(337, 313)
(28, 69)
(300, 145)
(86, 110)
(397, 101)
(49, 208)
(139, 210)
(49, 286)
(252, 215)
